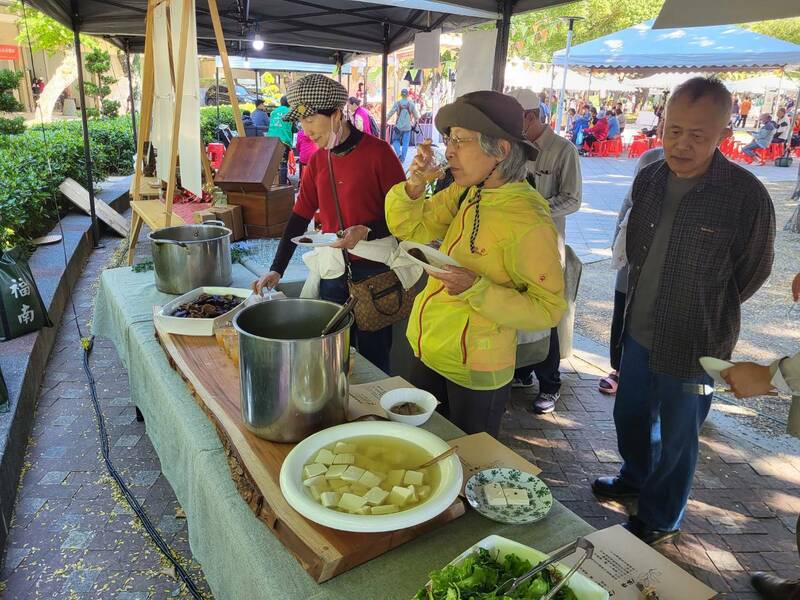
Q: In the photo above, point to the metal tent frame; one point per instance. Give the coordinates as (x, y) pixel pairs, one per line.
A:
(322, 31)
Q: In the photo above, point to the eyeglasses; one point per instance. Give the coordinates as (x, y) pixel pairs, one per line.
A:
(457, 141)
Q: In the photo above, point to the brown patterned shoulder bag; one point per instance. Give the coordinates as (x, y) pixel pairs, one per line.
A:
(382, 301)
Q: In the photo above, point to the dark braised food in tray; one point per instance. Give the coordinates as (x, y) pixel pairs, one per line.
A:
(208, 306)
(305, 240)
(419, 255)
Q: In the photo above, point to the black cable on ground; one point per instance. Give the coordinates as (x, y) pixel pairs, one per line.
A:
(132, 501)
(87, 345)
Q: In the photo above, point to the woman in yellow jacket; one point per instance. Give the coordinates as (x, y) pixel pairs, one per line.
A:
(463, 328)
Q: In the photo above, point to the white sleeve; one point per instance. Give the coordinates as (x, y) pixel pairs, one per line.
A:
(786, 374)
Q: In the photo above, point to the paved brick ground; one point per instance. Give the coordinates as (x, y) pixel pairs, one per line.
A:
(73, 535)
(744, 504)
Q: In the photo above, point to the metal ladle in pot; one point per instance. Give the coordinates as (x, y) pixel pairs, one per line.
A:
(340, 315)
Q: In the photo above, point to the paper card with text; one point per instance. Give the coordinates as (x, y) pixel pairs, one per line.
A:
(365, 398)
(626, 567)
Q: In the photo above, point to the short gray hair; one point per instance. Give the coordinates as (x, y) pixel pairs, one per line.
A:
(699, 87)
(513, 167)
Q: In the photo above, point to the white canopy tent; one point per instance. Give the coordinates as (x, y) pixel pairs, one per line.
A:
(763, 82)
(519, 75)
(664, 81)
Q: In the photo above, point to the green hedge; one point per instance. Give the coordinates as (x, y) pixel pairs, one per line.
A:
(26, 182)
(32, 168)
(209, 120)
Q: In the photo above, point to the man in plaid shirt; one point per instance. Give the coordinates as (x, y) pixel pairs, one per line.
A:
(699, 243)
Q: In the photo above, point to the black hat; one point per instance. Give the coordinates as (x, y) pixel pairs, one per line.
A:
(492, 113)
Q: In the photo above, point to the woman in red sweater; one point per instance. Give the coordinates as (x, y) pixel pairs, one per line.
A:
(365, 168)
(597, 133)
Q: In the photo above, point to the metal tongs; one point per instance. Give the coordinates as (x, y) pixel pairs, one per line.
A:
(588, 548)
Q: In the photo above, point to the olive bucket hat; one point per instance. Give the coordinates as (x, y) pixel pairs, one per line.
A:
(313, 93)
(490, 113)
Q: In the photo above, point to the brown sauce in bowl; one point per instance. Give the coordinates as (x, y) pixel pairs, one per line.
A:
(407, 409)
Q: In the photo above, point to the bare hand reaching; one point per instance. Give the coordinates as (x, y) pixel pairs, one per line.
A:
(267, 280)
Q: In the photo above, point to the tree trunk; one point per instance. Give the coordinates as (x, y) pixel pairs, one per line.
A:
(65, 75)
(793, 224)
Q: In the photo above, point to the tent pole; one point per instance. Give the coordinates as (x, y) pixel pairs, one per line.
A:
(226, 66)
(216, 96)
(87, 152)
(384, 78)
(565, 66)
(501, 48)
(186, 15)
(130, 88)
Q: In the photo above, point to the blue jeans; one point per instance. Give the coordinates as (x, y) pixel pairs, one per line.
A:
(374, 345)
(751, 148)
(398, 138)
(658, 419)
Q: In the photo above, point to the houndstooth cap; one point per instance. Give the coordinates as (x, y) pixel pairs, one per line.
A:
(312, 93)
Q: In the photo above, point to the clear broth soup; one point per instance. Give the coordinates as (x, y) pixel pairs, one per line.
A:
(380, 465)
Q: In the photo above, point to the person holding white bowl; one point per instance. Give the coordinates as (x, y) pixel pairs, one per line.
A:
(463, 328)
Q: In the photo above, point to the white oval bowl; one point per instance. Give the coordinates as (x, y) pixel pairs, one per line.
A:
(294, 492)
(423, 399)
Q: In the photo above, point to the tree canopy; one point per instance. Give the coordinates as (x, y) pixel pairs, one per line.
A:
(45, 33)
(536, 35)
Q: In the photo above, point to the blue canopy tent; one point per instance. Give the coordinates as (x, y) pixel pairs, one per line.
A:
(641, 49)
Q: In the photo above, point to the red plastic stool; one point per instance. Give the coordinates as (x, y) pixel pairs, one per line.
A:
(216, 152)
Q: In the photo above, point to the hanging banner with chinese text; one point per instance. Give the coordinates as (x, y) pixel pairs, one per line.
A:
(9, 52)
(21, 306)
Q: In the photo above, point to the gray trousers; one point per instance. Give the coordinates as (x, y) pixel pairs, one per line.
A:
(473, 411)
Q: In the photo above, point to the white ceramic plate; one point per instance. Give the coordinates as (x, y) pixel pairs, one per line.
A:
(202, 327)
(318, 240)
(541, 500)
(436, 259)
(441, 498)
(584, 588)
(713, 366)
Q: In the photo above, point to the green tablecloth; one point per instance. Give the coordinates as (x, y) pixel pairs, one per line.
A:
(241, 558)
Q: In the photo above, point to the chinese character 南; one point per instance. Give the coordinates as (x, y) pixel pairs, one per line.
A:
(20, 288)
(26, 316)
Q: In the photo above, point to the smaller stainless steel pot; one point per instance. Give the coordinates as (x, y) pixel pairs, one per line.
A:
(186, 257)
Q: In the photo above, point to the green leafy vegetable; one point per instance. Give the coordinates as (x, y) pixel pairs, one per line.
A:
(480, 575)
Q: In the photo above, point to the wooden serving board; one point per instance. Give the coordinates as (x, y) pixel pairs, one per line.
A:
(255, 466)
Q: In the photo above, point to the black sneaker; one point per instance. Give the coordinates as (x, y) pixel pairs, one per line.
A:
(775, 588)
(613, 487)
(545, 403)
(651, 537)
(525, 382)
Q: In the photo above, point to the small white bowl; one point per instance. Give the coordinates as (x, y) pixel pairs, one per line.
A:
(421, 398)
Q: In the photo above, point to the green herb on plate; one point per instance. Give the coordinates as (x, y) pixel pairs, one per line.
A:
(479, 575)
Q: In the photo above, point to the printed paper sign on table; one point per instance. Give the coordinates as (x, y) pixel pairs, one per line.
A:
(365, 398)
(622, 563)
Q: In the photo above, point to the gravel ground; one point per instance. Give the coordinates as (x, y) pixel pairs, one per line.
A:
(262, 251)
(768, 331)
